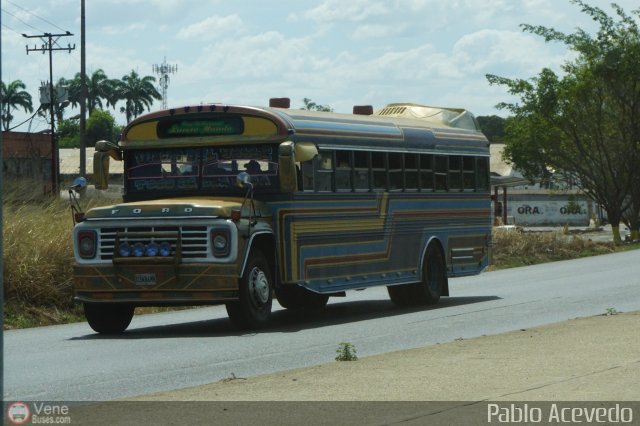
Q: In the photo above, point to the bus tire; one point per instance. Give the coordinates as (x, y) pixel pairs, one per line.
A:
(295, 297)
(429, 290)
(108, 319)
(253, 307)
(434, 277)
(400, 295)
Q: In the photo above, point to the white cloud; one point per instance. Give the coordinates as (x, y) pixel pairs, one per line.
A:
(119, 30)
(265, 60)
(370, 31)
(493, 49)
(212, 27)
(352, 10)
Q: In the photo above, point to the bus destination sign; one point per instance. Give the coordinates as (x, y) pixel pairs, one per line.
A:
(190, 127)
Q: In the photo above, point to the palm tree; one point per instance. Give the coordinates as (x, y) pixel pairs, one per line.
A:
(99, 88)
(13, 97)
(138, 94)
(59, 105)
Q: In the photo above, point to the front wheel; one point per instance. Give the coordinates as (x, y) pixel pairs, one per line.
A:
(108, 319)
(253, 307)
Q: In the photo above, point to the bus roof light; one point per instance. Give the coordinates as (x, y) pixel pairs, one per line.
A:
(280, 103)
(363, 110)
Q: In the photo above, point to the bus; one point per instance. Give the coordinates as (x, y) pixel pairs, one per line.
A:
(240, 205)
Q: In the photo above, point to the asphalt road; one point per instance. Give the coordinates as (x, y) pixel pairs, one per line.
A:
(186, 348)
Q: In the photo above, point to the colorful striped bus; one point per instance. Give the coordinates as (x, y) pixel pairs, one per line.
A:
(238, 205)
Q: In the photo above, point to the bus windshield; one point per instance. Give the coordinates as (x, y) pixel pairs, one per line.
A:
(205, 170)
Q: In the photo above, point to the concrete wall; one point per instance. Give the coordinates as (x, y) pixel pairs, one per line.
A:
(549, 209)
(26, 163)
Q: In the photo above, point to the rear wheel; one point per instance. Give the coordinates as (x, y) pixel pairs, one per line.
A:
(429, 290)
(253, 307)
(108, 319)
(400, 295)
(294, 297)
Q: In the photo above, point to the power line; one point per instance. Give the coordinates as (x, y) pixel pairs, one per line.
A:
(31, 13)
(27, 24)
(10, 29)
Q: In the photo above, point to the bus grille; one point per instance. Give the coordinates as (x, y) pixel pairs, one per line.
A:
(194, 239)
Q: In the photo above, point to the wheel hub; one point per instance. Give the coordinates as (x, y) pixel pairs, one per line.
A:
(259, 285)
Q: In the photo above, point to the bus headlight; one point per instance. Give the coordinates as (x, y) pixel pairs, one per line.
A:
(87, 241)
(220, 242)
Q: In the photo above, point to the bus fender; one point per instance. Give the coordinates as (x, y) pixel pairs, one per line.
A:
(265, 242)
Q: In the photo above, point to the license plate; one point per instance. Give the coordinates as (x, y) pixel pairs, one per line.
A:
(145, 279)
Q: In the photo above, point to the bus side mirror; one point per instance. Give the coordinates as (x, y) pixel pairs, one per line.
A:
(305, 151)
(104, 150)
(288, 155)
(287, 167)
(101, 170)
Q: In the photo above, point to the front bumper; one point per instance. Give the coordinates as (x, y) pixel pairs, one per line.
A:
(156, 284)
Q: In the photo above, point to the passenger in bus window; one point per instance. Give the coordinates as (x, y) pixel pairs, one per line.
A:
(252, 167)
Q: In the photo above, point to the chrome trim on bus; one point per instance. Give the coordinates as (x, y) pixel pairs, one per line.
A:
(248, 249)
(151, 218)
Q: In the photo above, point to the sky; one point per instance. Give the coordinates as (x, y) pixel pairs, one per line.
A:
(338, 53)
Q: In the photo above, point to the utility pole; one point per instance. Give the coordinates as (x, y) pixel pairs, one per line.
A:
(83, 97)
(50, 43)
(2, 251)
(163, 70)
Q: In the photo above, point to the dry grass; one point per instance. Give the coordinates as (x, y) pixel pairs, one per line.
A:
(513, 248)
(38, 259)
(38, 252)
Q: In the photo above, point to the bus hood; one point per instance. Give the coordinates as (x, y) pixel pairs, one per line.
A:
(178, 207)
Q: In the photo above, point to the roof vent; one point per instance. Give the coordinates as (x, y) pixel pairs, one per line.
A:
(363, 109)
(280, 103)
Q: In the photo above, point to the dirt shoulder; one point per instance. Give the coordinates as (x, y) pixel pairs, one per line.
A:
(586, 359)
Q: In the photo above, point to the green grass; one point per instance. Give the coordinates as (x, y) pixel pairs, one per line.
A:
(38, 258)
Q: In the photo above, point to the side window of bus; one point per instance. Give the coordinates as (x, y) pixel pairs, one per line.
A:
(361, 180)
(344, 168)
(379, 167)
(324, 171)
(411, 167)
(441, 172)
(468, 173)
(482, 174)
(455, 173)
(396, 166)
(306, 170)
(426, 172)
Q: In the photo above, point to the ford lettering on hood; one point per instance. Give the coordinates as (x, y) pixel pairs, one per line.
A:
(176, 208)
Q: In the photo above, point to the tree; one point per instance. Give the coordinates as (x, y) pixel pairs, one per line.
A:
(69, 133)
(584, 124)
(138, 94)
(58, 105)
(493, 127)
(101, 91)
(100, 125)
(312, 106)
(13, 97)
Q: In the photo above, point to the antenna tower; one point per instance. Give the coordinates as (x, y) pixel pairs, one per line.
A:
(163, 70)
